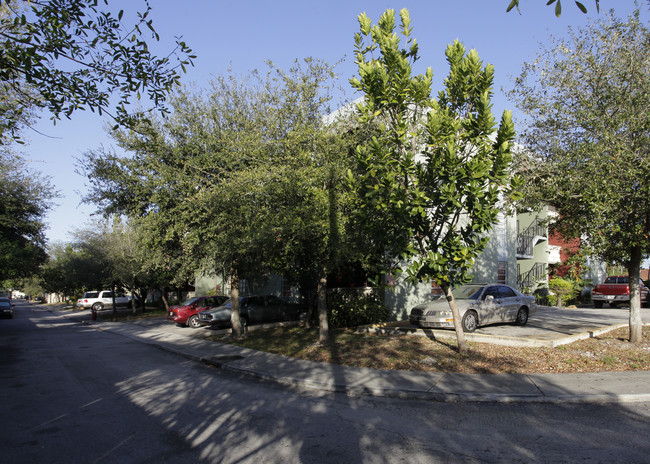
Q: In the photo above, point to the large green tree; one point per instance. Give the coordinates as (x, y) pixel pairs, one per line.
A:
(67, 55)
(237, 179)
(587, 99)
(435, 173)
(103, 255)
(25, 198)
(73, 268)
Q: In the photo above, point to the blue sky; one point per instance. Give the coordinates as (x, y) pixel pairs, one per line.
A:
(244, 34)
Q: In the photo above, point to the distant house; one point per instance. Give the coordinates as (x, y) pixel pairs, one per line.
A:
(210, 283)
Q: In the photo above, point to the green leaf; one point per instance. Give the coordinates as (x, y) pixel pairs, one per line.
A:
(365, 23)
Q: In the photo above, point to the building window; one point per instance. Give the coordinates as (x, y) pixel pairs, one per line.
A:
(435, 288)
(286, 288)
(502, 272)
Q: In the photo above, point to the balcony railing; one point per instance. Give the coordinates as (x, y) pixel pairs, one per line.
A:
(527, 239)
(528, 279)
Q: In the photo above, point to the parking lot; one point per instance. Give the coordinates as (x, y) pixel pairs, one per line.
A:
(548, 326)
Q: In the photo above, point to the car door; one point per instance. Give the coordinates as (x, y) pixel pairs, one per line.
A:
(276, 309)
(253, 308)
(107, 298)
(205, 303)
(510, 303)
(489, 306)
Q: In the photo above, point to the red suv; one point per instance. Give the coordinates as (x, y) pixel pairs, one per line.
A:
(185, 314)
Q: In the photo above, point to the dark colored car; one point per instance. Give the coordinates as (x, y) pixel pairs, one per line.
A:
(252, 310)
(185, 314)
(6, 309)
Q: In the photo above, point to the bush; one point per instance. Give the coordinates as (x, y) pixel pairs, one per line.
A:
(563, 288)
(543, 297)
(551, 300)
(351, 309)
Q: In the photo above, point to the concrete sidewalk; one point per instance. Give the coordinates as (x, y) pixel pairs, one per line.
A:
(606, 387)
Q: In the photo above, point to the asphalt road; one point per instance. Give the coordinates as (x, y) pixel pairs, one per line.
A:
(72, 394)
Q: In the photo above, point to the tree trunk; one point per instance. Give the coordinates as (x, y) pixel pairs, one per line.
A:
(458, 325)
(323, 332)
(163, 297)
(633, 271)
(235, 319)
(113, 300)
(142, 293)
(307, 296)
(134, 294)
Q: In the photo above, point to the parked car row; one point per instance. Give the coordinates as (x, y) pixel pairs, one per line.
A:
(215, 311)
(479, 305)
(186, 313)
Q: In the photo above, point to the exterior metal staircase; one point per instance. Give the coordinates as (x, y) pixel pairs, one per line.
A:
(529, 278)
(527, 239)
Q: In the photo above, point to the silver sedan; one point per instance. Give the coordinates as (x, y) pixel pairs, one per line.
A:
(479, 304)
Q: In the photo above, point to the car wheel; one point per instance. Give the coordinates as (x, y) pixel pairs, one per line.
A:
(98, 307)
(598, 304)
(522, 316)
(193, 322)
(470, 321)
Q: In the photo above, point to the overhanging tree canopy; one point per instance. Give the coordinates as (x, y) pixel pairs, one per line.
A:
(67, 55)
(558, 6)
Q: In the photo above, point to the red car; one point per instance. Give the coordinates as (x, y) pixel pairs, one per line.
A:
(185, 314)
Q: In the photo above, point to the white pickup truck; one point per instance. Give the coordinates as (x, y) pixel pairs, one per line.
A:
(104, 298)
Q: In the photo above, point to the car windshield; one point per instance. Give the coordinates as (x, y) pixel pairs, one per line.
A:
(228, 303)
(467, 292)
(189, 301)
